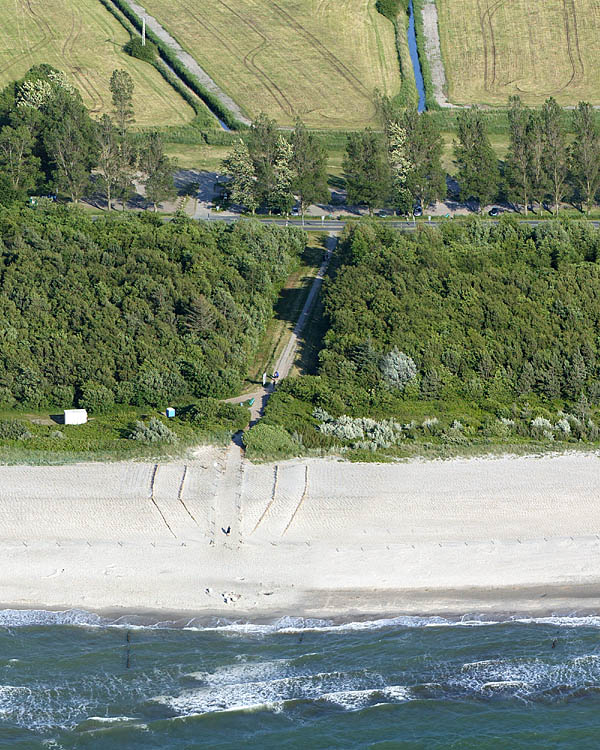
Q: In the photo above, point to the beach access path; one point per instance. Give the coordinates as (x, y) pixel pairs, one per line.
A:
(286, 359)
(313, 537)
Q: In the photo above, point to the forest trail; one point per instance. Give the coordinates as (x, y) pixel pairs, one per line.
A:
(285, 361)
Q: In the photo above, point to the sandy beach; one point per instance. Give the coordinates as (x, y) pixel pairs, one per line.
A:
(311, 537)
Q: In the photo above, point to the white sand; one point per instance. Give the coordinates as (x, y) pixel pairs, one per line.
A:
(312, 537)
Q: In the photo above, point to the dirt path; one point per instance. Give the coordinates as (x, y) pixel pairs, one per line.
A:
(285, 361)
(227, 502)
(434, 53)
(189, 62)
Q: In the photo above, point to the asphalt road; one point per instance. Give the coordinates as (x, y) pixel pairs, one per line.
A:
(316, 225)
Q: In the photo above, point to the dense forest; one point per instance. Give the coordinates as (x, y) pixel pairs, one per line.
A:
(130, 310)
(481, 329)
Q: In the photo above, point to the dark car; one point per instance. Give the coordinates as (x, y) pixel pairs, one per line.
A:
(417, 211)
(495, 211)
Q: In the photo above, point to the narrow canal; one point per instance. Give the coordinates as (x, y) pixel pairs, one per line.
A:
(414, 56)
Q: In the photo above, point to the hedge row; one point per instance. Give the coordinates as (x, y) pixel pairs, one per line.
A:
(169, 57)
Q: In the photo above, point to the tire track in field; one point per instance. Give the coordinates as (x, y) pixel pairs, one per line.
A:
(66, 44)
(325, 52)
(46, 37)
(248, 60)
(84, 79)
(485, 20)
(577, 66)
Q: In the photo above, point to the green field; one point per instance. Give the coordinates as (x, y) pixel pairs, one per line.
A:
(85, 41)
(317, 59)
(534, 48)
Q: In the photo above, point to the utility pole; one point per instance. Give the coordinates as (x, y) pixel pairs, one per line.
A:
(143, 32)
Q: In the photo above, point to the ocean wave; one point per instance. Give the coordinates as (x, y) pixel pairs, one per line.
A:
(355, 700)
(13, 618)
(272, 685)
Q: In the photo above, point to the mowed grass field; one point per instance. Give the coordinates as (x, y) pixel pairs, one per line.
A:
(317, 59)
(534, 48)
(81, 38)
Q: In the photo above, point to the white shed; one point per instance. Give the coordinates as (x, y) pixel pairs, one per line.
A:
(75, 416)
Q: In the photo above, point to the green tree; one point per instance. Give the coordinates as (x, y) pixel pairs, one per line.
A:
(518, 164)
(17, 162)
(309, 163)
(282, 198)
(71, 145)
(539, 178)
(366, 169)
(159, 184)
(157, 169)
(426, 179)
(585, 154)
(556, 152)
(109, 157)
(400, 165)
(121, 87)
(478, 172)
(239, 167)
(262, 141)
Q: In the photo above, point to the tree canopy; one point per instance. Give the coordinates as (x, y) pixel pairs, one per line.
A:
(137, 311)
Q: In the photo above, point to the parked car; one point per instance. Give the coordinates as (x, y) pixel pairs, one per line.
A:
(495, 211)
(417, 211)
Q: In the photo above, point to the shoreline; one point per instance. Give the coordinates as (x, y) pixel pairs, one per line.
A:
(310, 538)
(468, 607)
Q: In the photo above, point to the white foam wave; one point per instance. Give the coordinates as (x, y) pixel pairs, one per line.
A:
(271, 685)
(11, 695)
(233, 674)
(354, 700)
(11, 618)
(14, 618)
(527, 678)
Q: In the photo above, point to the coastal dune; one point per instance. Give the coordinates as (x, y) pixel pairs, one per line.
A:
(218, 536)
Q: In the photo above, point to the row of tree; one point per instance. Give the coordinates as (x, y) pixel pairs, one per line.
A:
(546, 160)
(552, 155)
(268, 170)
(49, 142)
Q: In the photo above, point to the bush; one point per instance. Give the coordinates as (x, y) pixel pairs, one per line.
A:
(211, 414)
(397, 369)
(154, 432)
(96, 398)
(269, 441)
(391, 8)
(135, 48)
(13, 429)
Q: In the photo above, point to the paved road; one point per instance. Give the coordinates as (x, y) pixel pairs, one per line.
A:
(316, 225)
(285, 361)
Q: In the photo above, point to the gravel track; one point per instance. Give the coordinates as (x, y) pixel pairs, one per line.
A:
(189, 62)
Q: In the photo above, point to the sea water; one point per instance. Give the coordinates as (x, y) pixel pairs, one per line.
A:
(75, 680)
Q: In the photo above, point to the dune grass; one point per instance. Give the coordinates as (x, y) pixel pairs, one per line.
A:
(534, 48)
(317, 59)
(85, 41)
